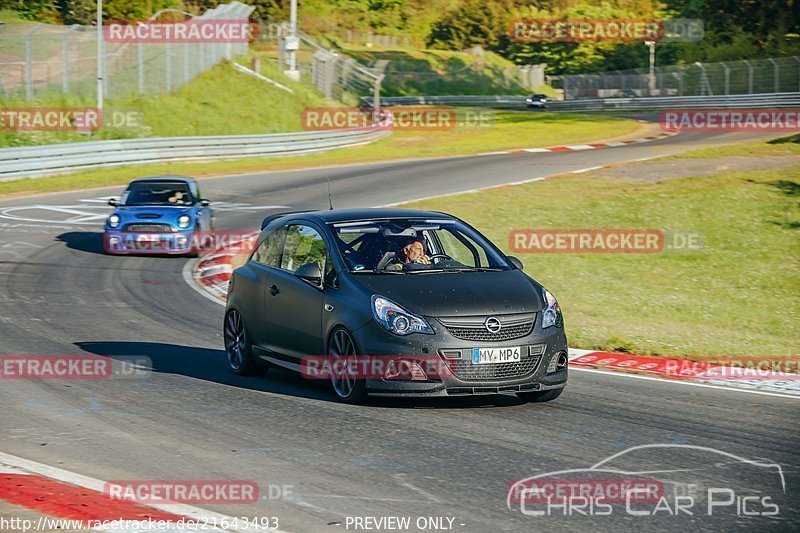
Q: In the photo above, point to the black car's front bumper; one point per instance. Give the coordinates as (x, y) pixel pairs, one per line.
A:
(530, 374)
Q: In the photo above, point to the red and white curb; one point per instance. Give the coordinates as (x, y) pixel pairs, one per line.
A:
(759, 379)
(73, 498)
(580, 147)
(213, 273)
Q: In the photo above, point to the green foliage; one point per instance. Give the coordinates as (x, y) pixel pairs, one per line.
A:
(740, 29)
(78, 11)
(474, 22)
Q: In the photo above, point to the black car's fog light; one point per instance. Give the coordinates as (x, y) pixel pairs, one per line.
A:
(557, 362)
(405, 370)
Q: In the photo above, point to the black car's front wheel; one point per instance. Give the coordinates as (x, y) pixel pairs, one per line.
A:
(238, 347)
(540, 396)
(342, 358)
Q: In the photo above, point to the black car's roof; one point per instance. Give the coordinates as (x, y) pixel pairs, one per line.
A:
(165, 179)
(381, 213)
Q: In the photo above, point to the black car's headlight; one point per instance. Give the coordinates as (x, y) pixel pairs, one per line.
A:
(396, 319)
(184, 221)
(113, 221)
(552, 311)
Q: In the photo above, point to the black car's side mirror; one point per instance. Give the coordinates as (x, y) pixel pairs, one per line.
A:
(204, 202)
(516, 263)
(311, 273)
(113, 202)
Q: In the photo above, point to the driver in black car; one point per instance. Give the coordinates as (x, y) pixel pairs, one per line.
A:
(412, 252)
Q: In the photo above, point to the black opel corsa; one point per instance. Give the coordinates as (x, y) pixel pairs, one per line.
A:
(393, 302)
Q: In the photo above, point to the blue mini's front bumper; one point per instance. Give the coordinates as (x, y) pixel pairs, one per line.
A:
(118, 242)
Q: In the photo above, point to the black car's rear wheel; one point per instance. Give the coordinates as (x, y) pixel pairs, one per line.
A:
(238, 347)
(342, 355)
(540, 396)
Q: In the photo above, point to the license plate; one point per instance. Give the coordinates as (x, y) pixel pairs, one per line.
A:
(149, 238)
(483, 356)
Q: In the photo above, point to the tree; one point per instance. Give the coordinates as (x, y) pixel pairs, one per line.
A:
(473, 22)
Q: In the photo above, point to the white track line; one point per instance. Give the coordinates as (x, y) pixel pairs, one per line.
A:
(681, 382)
(581, 171)
(97, 485)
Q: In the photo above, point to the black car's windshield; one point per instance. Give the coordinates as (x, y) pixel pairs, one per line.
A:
(158, 193)
(415, 246)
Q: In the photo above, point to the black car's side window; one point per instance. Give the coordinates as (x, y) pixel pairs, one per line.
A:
(303, 245)
(269, 253)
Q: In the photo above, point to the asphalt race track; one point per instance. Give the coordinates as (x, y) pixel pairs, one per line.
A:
(192, 419)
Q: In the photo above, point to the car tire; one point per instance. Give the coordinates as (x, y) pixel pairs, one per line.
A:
(347, 387)
(194, 251)
(540, 396)
(238, 348)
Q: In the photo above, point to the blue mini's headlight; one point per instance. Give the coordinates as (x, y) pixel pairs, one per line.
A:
(184, 221)
(113, 221)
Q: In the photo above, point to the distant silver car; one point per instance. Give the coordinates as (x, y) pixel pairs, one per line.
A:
(537, 100)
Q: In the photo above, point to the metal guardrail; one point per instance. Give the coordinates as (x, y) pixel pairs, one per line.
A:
(610, 104)
(451, 100)
(656, 103)
(44, 160)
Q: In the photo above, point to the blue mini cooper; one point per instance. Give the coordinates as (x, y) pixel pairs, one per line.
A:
(160, 215)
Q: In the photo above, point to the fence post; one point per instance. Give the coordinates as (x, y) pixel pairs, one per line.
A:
(140, 67)
(775, 70)
(797, 58)
(65, 61)
(168, 69)
(749, 76)
(106, 73)
(186, 63)
(727, 78)
(29, 62)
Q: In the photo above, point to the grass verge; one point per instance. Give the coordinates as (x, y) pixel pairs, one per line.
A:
(737, 296)
(507, 130)
(220, 101)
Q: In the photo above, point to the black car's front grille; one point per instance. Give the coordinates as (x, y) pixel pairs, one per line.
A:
(148, 228)
(474, 328)
(465, 370)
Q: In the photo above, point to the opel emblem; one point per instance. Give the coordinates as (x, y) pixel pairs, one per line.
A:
(493, 324)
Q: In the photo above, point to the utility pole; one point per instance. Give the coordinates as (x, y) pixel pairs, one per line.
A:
(100, 52)
(292, 44)
(651, 78)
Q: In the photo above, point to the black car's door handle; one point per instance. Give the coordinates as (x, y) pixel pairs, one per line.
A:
(274, 290)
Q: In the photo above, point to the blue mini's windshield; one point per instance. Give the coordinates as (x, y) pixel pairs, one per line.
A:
(158, 193)
(412, 245)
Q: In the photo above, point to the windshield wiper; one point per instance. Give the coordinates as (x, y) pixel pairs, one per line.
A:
(474, 269)
(373, 271)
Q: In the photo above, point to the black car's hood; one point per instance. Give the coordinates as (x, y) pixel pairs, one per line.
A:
(462, 293)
